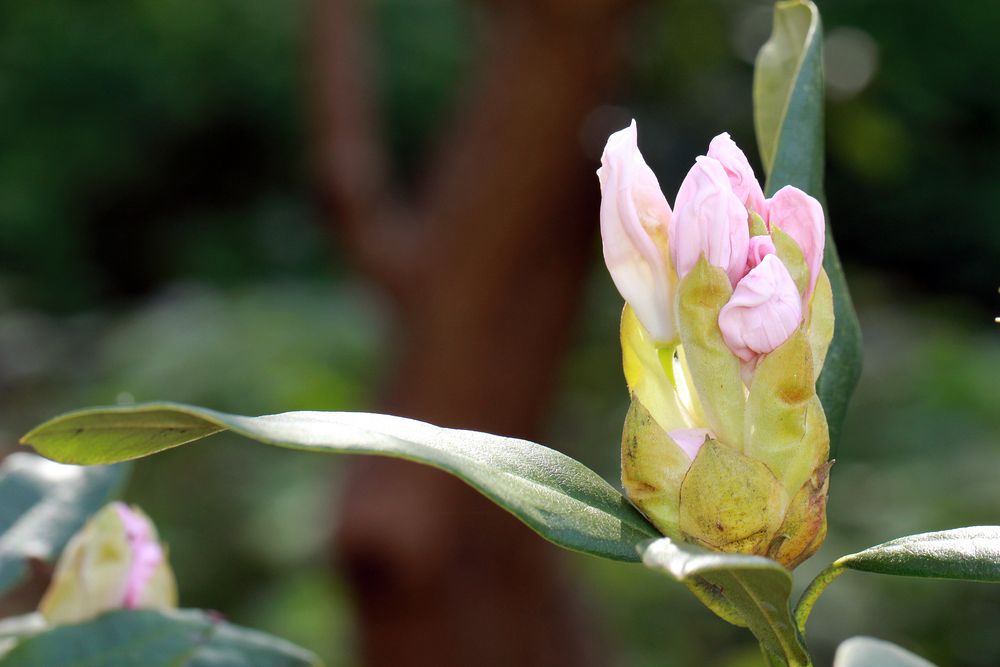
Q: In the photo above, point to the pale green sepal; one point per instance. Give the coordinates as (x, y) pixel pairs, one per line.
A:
(92, 572)
(757, 225)
(715, 370)
(790, 254)
(804, 528)
(821, 322)
(653, 467)
(785, 425)
(730, 502)
(645, 375)
(686, 391)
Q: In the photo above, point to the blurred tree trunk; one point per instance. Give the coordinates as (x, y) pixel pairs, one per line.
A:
(485, 269)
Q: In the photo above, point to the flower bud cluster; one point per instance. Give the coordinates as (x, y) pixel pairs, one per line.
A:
(727, 321)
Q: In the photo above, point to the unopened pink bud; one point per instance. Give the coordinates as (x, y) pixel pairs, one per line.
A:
(763, 312)
(709, 220)
(634, 220)
(760, 247)
(114, 562)
(741, 175)
(801, 217)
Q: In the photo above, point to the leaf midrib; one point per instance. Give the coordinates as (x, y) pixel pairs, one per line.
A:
(806, 45)
(788, 651)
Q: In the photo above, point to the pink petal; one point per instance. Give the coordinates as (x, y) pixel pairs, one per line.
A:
(690, 439)
(709, 220)
(741, 175)
(801, 217)
(634, 213)
(760, 246)
(764, 311)
(146, 554)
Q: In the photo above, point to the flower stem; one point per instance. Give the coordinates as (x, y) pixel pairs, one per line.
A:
(812, 593)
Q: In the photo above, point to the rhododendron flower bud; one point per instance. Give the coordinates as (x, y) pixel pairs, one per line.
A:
(760, 247)
(634, 220)
(709, 220)
(765, 309)
(725, 444)
(801, 217)
(114, 562)
(741, 177)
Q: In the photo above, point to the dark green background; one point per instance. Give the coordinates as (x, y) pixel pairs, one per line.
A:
(158, 240)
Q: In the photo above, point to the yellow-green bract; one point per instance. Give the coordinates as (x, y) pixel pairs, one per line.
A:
(758, 484)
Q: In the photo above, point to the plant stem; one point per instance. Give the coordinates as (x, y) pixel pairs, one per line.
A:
(812, 593)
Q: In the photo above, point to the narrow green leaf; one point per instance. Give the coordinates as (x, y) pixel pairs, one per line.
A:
(788, 113)
(751, 589)
(42, 504)
(788, 99)
(967, 554)
(23, 625)
(15, 628)
(557, 496)
(176, 638)
(869, 652)
(964, 554)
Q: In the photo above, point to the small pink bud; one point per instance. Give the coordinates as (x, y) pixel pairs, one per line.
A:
(634, 220)
(690, 439)
(741, 176)
(114, 562)
(801, 217)
(760, 246)
(709, 220)
(763, 312)
(146, 554)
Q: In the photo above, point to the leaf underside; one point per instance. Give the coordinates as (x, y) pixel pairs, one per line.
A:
(751, 591)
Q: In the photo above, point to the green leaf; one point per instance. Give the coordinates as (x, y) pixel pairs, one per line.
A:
(788, 98)
(42, 504)
(869, 652)
(964, 554)
(15, 628)
(751, 591)
(788, 113)
(967, 554)
(176, 638)
(557, 496)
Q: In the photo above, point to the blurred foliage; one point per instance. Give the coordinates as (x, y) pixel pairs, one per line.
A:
(912, 128)
(248, 526)
(140, 140)
(157, 240)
